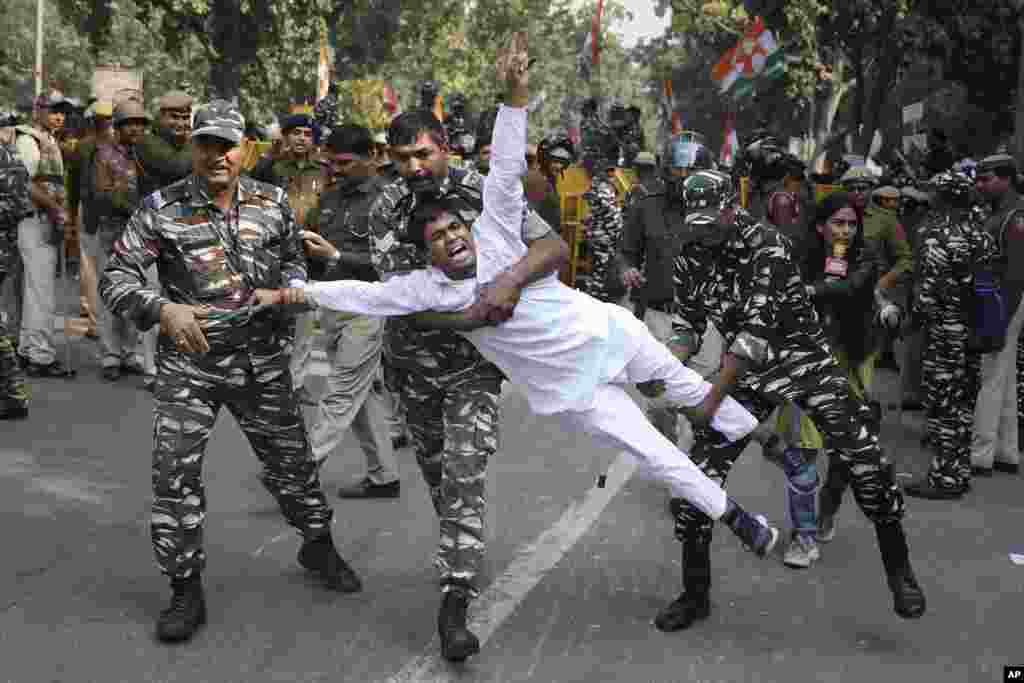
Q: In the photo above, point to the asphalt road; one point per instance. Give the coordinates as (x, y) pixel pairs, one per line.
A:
(576, 573)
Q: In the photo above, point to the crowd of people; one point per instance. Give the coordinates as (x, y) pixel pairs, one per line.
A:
(432, 282)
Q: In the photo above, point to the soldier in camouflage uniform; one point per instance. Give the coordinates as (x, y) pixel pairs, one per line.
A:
(739, 273)
(604, 224)
(219, 243)
(951, 246)
(448, 390)
(14, 205)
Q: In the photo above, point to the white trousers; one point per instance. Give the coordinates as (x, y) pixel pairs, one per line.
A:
(995, 414)
(617, 421)
(39, 300)
(354, 396)
(118, 337)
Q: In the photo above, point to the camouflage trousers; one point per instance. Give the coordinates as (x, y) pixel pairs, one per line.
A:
(12, 381)
(844, 420)
(947, 380)
(453, 425)
(255, 385)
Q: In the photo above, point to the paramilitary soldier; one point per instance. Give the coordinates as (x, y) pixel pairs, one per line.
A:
(449, 391)
(739, 273)
(600, 154)
(219, 243)
(951, 245)
(15, 204)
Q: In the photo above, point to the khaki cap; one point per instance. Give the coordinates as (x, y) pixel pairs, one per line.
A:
(175, 99)
(129, 110)
(103, 108)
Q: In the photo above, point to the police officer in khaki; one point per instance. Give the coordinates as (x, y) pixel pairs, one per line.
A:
(41, 234)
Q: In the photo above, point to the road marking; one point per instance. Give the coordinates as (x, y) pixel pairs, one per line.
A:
(528, 568)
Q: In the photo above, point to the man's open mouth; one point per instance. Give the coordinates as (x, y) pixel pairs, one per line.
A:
(457, 249)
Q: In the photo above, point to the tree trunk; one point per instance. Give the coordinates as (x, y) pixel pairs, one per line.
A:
(1018, 128)
(226, 72)
(887, 69)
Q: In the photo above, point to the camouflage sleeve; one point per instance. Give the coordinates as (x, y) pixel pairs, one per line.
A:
(690, 318)
(934, 265)
(293, 256)
(758, 312)
(122, 286)
(387, 252)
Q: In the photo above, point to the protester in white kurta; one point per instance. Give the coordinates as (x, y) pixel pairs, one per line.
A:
(570, 353)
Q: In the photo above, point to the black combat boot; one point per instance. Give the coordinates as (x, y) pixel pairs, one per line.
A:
(319, 555)
(457, 641)
(186, 613)
(695, 602)
(908, 598)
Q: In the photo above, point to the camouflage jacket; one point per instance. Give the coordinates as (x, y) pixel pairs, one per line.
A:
(14, 200)
(433, 353)
(751, 289)
(951, 246)
(604, 232)
(162, 161)
(203, 255)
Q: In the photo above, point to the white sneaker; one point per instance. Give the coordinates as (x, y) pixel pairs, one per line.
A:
(801, 553)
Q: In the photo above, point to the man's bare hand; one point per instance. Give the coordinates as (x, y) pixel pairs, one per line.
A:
(280, 297)
(499, 299)
(318, 247)
(512, 65)
(181, 323)
(633, 278)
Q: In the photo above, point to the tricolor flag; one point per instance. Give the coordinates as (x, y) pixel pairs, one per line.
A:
(756, 54)
(323, 71)
(730, 143)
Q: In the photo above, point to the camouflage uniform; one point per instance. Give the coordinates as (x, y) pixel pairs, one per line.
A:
(448, 390)
(752, 290)
(205, 256)
(14, 204)
(604, 232)
(950, 246)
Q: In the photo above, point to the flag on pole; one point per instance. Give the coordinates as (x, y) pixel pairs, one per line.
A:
(730, 143)
(439, 108)
(756, 54)
(323, 71)
(590, 55)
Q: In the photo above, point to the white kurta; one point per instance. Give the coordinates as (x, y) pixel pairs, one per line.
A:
(559, 345)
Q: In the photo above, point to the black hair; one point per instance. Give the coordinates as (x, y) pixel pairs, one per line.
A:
(408, 126)
(853, 336)
(350, 139)
(427, 212)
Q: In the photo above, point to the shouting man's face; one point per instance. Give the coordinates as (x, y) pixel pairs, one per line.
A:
(452, 250)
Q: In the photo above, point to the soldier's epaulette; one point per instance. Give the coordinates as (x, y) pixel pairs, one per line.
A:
(174, 193)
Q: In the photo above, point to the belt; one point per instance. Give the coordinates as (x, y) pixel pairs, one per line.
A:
(662, 306)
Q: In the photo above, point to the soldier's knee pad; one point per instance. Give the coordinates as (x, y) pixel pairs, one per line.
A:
(801, 472)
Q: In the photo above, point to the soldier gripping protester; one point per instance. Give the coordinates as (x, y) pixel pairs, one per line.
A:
(15, 204)
(739, 274)
(219, 242)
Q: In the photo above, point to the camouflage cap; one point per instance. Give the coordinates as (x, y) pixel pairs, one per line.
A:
(886, 192)
(706, 194)
(174, 99)
(219, 119)
(951, 185)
